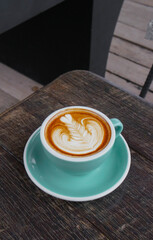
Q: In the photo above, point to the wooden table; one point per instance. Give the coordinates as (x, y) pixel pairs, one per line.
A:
(28, 213)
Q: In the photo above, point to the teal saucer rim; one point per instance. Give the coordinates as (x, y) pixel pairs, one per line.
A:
(76, 199)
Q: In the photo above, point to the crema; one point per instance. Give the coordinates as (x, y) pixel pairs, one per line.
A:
(77, 132)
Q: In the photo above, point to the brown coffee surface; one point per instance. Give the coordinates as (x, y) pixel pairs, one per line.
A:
(77, 132)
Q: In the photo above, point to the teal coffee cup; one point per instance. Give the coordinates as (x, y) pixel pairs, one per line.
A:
(89, 136)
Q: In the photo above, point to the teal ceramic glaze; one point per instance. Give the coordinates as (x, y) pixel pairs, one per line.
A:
(76, 168)
(65, 185)
(83, 167)
(117, 125)
(80, 165)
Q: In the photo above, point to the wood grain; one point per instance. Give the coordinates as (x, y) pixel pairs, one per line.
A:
(78, 88)
(127, 213)
(128, 86)
(124, 213)
(16, 84)
(6, 101)
(127, 69)
(132, 52)
(136, 15)
(143, 2)
(133, 35)
(28, 213)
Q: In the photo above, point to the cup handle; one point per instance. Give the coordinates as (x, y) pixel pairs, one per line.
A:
(117, 125)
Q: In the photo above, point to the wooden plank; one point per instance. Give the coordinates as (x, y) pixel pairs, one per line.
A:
(127, 69)
(6, 101)
(132, 52)
(128, 86)
(78, 88)
(16, 84)
(28, 213)
(136, 15)
(127, 212)
(130, 205)
(133, 35)
(144, 2)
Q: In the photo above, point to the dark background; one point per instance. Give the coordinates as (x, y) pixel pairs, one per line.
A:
(54, 42)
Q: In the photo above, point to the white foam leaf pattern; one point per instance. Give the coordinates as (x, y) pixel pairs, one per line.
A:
(81, 138)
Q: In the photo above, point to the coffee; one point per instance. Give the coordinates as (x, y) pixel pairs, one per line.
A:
(77, 132)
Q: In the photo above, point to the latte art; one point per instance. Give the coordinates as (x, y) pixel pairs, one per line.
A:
(75, 137)
(77, 133)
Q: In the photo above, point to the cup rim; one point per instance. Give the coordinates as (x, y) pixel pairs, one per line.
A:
(71, 158)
